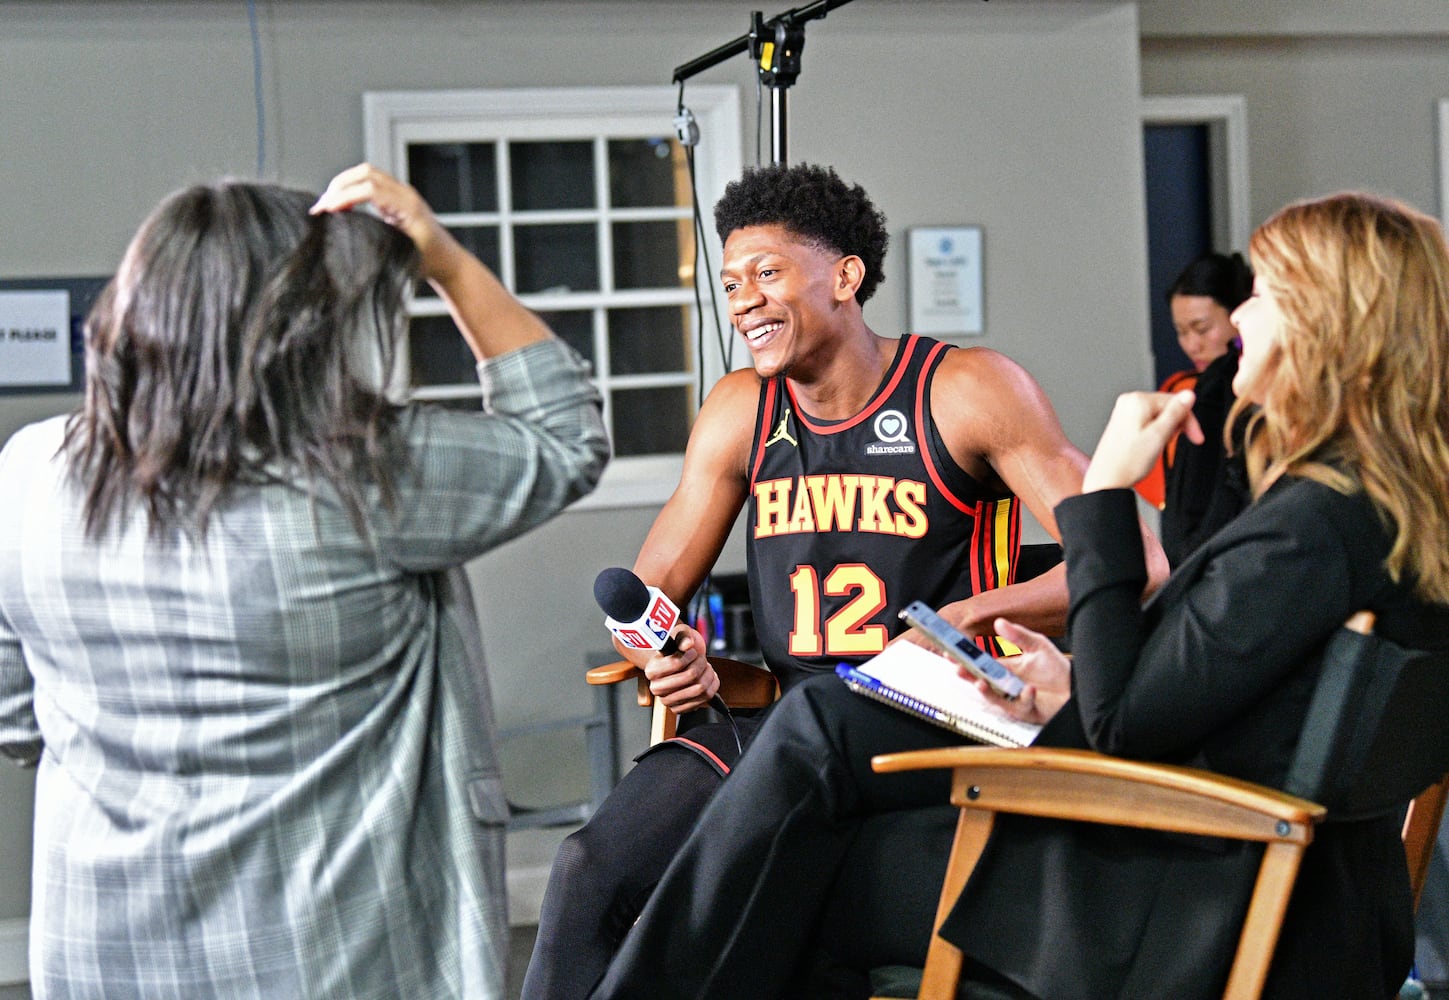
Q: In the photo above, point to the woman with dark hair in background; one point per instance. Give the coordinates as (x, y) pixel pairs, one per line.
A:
(1199, 487)
(235, 635)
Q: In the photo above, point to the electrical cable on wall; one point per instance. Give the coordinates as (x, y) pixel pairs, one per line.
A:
(257, 87)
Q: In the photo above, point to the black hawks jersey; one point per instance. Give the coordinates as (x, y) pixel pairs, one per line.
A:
(851, 520)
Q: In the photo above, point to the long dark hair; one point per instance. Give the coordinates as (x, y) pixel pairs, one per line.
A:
(241, 340)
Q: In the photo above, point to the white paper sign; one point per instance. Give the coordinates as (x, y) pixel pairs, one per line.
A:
(946, 280)
(35, 338)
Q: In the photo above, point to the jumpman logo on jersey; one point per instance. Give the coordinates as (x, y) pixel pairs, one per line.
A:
(781, 433)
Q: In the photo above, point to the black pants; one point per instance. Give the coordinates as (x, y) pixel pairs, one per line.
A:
(604, 872)
(761, 892)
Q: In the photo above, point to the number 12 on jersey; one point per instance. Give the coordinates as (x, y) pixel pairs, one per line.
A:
(848, 631)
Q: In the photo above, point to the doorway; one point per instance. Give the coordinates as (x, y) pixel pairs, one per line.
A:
(1196, 186)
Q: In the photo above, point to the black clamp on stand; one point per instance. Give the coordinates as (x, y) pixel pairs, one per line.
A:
(775, 47)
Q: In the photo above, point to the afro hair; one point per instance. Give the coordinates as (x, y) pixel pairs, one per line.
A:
(816, 205)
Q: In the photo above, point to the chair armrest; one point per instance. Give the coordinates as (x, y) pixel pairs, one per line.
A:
(1093, 787)
(741, 684)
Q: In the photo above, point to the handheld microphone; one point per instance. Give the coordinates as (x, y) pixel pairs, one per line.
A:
(640, 617)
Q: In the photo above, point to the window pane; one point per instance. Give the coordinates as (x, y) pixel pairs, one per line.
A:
(574, 327)
(648, 254)
(455, 177)
(556, 258)
(552, 175)
(642, 173)
(647, 340)
(651, 421)
(469, 404)
(439, 356)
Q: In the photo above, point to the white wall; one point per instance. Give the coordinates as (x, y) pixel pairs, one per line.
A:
(1018, 116)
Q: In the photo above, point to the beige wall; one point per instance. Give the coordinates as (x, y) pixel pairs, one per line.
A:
(1265, 18)
(1018, 116)
(1324, 113)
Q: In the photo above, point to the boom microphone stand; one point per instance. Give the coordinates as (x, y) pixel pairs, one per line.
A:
(775, 46)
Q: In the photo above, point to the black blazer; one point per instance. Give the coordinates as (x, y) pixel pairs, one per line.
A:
(1216, 672)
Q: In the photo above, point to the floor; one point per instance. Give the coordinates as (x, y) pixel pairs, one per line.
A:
(520, 947)
(519, 950)
(530, 853)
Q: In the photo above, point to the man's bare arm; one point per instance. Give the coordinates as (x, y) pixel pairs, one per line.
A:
(691, 529)
(1000, 426)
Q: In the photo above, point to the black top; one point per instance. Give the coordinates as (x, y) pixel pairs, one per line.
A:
(1204, 487)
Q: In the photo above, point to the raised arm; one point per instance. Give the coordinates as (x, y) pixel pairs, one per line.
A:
(1001, 428)
(538, 444)
(690, 531)
(491, 320)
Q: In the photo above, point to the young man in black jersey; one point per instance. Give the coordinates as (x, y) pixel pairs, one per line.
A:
(876, 471)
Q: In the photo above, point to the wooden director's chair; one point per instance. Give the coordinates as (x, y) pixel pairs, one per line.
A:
(1375, 738)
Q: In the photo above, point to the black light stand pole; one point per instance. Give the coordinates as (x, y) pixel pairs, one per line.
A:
(775, 46)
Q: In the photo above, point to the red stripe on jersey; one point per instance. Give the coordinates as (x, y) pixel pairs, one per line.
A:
(763, 430)
(923, 445)
(870, 408)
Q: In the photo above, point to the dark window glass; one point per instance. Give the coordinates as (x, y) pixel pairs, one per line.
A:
(467, 403)
(438, 353)
(641, 173)
(574, 327)
(482, 241)
(647, 254)
(651, 421)
(455, 177)
(552, 175)
(556, 258)
(647, 340)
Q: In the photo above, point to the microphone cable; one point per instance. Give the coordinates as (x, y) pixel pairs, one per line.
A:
(719, 705)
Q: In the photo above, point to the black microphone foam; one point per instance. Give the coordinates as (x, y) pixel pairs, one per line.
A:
(621, 594)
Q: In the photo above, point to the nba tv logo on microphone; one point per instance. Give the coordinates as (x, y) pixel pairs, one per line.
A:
(651, 631)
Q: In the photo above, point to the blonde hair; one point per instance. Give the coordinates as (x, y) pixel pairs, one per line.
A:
(1357, 392)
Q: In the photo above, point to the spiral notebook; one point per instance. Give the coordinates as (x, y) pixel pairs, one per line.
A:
(925, 684)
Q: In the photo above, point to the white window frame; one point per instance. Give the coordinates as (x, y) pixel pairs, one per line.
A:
(1444, 162)
(394, 119)
(1226, 116)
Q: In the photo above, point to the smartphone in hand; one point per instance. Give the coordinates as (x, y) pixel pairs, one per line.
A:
(962, 649)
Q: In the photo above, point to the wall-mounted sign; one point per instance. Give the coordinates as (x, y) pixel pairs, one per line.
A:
(35, 348)
(945, 292)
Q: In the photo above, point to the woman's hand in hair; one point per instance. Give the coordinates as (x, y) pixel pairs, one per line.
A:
(1141, 425)
(490, 318)
(399, 205)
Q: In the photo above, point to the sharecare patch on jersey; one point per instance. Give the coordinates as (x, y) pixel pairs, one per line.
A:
(822, 503)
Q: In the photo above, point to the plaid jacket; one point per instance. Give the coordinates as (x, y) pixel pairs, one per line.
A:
(266, 765)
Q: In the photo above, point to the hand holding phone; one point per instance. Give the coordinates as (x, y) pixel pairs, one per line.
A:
(962, 649)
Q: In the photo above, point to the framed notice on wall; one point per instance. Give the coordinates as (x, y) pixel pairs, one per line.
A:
(945, 280)
(35, 338)
(41, 339)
